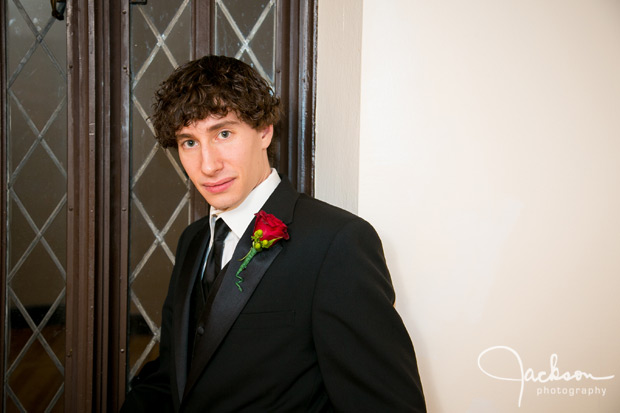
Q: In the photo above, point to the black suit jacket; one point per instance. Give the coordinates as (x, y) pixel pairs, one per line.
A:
(313, 330)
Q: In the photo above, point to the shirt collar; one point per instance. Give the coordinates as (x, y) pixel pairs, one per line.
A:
(239, 218)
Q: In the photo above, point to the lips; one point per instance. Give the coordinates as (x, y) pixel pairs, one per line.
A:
(219, 186)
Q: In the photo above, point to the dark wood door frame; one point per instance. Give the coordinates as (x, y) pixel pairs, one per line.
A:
(98, 175)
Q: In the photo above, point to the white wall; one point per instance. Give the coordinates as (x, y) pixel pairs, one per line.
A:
(338, 102)
(489, 163)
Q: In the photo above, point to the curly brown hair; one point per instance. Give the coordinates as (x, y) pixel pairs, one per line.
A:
(212, 86)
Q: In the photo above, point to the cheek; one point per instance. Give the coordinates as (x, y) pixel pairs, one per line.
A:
(241, 158)
(184, 162)
(189, 164)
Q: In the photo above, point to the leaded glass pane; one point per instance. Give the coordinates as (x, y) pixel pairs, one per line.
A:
(160, 41)
(245, 29)
(36, 208)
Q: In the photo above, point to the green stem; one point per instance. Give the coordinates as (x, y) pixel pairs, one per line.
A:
(243, 266)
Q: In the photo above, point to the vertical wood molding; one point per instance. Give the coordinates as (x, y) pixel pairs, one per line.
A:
(306, 82)
(202, 27)
(296, 85)
(3, 199)
(102, 343)
(119, 130)
(80, 206)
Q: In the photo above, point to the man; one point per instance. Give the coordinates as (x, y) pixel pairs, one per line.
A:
(307, 324)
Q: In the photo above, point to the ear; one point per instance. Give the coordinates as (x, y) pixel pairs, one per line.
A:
(266, 134)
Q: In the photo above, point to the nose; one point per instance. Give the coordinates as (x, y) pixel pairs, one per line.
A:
(211, 162)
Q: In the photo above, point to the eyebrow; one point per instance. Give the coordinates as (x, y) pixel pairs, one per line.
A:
(222, 124)
(211, 128)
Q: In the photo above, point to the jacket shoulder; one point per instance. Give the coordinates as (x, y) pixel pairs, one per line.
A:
(323, 222)
(330, 215)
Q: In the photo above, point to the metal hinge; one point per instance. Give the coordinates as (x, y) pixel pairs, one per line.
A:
(58, 9)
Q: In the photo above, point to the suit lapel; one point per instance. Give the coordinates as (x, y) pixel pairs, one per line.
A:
(181, 303)
(223, 307)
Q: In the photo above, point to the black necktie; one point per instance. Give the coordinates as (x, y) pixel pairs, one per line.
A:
(214, 260)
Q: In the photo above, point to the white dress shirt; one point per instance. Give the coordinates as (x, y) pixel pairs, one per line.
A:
(240, 217)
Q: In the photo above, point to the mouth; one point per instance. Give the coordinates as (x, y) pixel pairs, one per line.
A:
(219, 186)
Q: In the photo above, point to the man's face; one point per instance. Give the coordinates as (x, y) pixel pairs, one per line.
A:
(225, 158)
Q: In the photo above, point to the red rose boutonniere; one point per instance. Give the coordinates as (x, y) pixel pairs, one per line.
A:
(267, 230)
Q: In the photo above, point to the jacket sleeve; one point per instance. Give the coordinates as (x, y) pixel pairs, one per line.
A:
(364, 351)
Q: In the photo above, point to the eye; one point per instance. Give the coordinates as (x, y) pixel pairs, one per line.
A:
(225, 134)
(188, 143)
